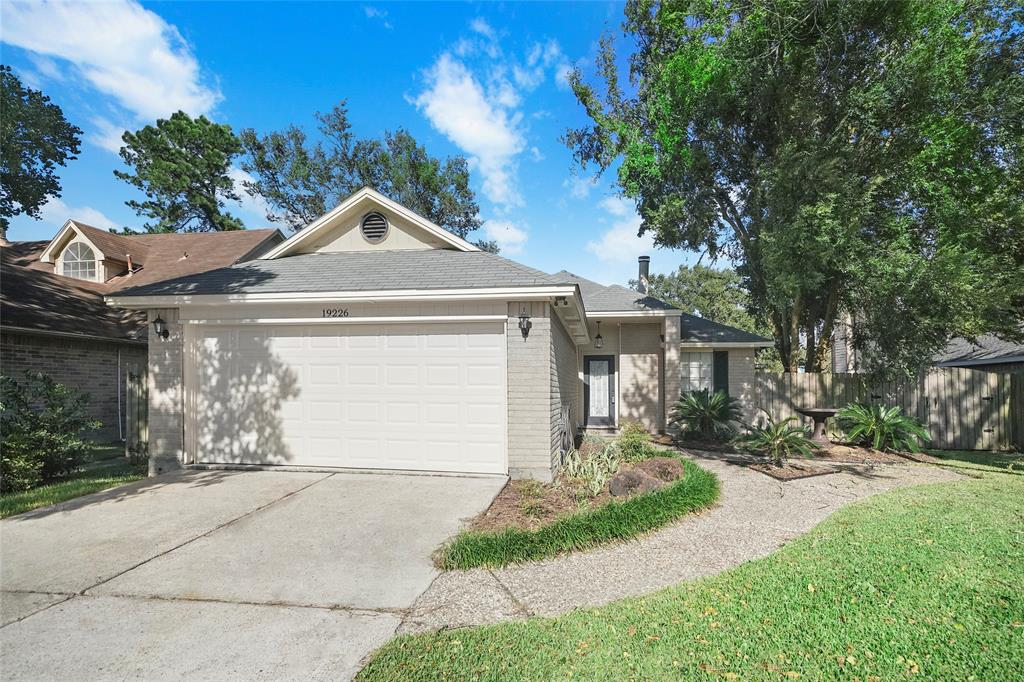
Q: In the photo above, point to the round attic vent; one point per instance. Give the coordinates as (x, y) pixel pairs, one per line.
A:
(374, 227)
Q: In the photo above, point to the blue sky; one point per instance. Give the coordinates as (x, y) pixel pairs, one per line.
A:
(485, 80)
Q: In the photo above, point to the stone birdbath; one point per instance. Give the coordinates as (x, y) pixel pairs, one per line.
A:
(820, 415)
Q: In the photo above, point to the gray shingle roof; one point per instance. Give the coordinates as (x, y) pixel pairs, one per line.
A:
(988, 349)
(698, 330)
(356, 271)
(601, 299)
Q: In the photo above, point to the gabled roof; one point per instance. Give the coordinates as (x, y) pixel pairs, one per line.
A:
(607, 299)
(695, 330)
(986, 350)
(355, 271)
(36, 300)
(328, 220)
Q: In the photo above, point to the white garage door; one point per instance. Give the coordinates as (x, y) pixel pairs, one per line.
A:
(427, 397)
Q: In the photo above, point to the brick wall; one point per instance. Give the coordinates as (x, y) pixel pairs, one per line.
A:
(670, 373)
(564, 384)
(166, 394)
(741, 381)
(639, 375)
(90, 366)
(529, 388)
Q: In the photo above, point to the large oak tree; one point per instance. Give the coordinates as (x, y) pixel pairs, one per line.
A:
(859, 158)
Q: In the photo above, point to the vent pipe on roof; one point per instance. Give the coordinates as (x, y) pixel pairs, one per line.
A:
(645, 274)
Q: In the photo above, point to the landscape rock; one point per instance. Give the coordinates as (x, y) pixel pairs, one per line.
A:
(666, 469)
(633, 482)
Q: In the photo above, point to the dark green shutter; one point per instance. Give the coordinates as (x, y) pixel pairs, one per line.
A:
(721, 371)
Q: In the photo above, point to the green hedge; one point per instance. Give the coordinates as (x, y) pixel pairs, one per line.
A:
(698, 489)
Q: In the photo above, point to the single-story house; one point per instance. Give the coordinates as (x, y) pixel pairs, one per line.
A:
(988, 353)
(374, 339)
(53, 318)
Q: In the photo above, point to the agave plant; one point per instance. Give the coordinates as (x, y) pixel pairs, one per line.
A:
(778, 441)
(881, 427)
(712, 416)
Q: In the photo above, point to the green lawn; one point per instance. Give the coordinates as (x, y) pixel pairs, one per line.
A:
(698, 489)
(982, 460)
(107, 469)
(919, 583)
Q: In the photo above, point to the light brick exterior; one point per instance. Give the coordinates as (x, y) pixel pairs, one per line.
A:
(166, 394)
(86, 365)
(741, 381)
(670, 374)
(639, 375)
(564, 385)
(529, 388)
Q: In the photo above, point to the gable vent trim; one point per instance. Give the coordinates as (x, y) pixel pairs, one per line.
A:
(374, 227)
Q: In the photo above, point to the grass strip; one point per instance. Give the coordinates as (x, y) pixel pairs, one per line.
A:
(918, 583)
(104, 472)
(698, 489)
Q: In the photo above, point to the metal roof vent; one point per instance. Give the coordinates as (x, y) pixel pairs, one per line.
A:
(374, 227)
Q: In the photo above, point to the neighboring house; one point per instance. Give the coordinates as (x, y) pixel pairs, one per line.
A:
(989, 353)
(374, 339)
(53, 318)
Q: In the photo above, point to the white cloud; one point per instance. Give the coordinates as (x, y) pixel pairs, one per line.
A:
(562, 74)
(107, 134)
(536, 154)
(620, 243)
(579, 188)
(55, 212)
(122, 49)
(254, 207)
(485, 129)
(510, 238)
(480, 25)
(377, 13)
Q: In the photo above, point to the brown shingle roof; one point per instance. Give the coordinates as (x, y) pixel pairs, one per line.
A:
(33, 297)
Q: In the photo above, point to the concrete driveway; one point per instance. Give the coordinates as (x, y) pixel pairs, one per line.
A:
(223, 575)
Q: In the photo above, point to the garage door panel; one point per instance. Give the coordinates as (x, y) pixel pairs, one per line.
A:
(403, 396)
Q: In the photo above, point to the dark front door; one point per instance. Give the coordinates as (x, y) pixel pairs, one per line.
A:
(599, 389)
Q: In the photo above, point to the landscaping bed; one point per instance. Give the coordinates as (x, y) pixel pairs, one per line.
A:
(791, 471)
(607, 490)
(918, 583)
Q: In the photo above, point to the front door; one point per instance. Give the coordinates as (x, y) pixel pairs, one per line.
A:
(599, 390)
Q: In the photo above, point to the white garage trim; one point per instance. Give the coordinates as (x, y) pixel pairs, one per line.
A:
(397, 319)
(446, 421)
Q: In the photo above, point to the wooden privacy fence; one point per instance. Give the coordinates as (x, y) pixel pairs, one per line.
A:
(963, 409)
(136, 441)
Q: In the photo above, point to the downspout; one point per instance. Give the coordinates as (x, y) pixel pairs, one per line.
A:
(120, 422)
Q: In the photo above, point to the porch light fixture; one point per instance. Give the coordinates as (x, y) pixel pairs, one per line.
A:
(599, 340)
(160, 327)
(524, 323)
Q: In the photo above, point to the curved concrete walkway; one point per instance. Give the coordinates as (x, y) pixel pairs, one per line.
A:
(755, 516)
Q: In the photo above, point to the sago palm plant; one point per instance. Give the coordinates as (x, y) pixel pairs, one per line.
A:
(778, 441)
(711, 415)
(881, 427)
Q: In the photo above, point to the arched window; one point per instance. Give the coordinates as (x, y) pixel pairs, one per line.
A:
(80, 262)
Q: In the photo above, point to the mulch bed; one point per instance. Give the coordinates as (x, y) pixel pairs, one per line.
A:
(791, 471)
(529, 505)
(857, 455)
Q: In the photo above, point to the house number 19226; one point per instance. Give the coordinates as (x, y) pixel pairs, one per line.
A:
(335, 312)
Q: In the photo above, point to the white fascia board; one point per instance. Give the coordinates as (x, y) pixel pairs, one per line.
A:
(306, 233)
(634, 313)
(48, 256)
(387, 319)
(726, 344)
(501, 293)
(582, 336)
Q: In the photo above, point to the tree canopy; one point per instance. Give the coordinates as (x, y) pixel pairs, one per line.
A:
(858, 158)
(301, 179)
(182, 165)
(35, 139)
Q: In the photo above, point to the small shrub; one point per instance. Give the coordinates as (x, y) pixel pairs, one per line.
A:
(42, 424)
(532, 508)
(713, 416)
(593, 464)
(881, 427)
(634, 442)
(778, 441)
